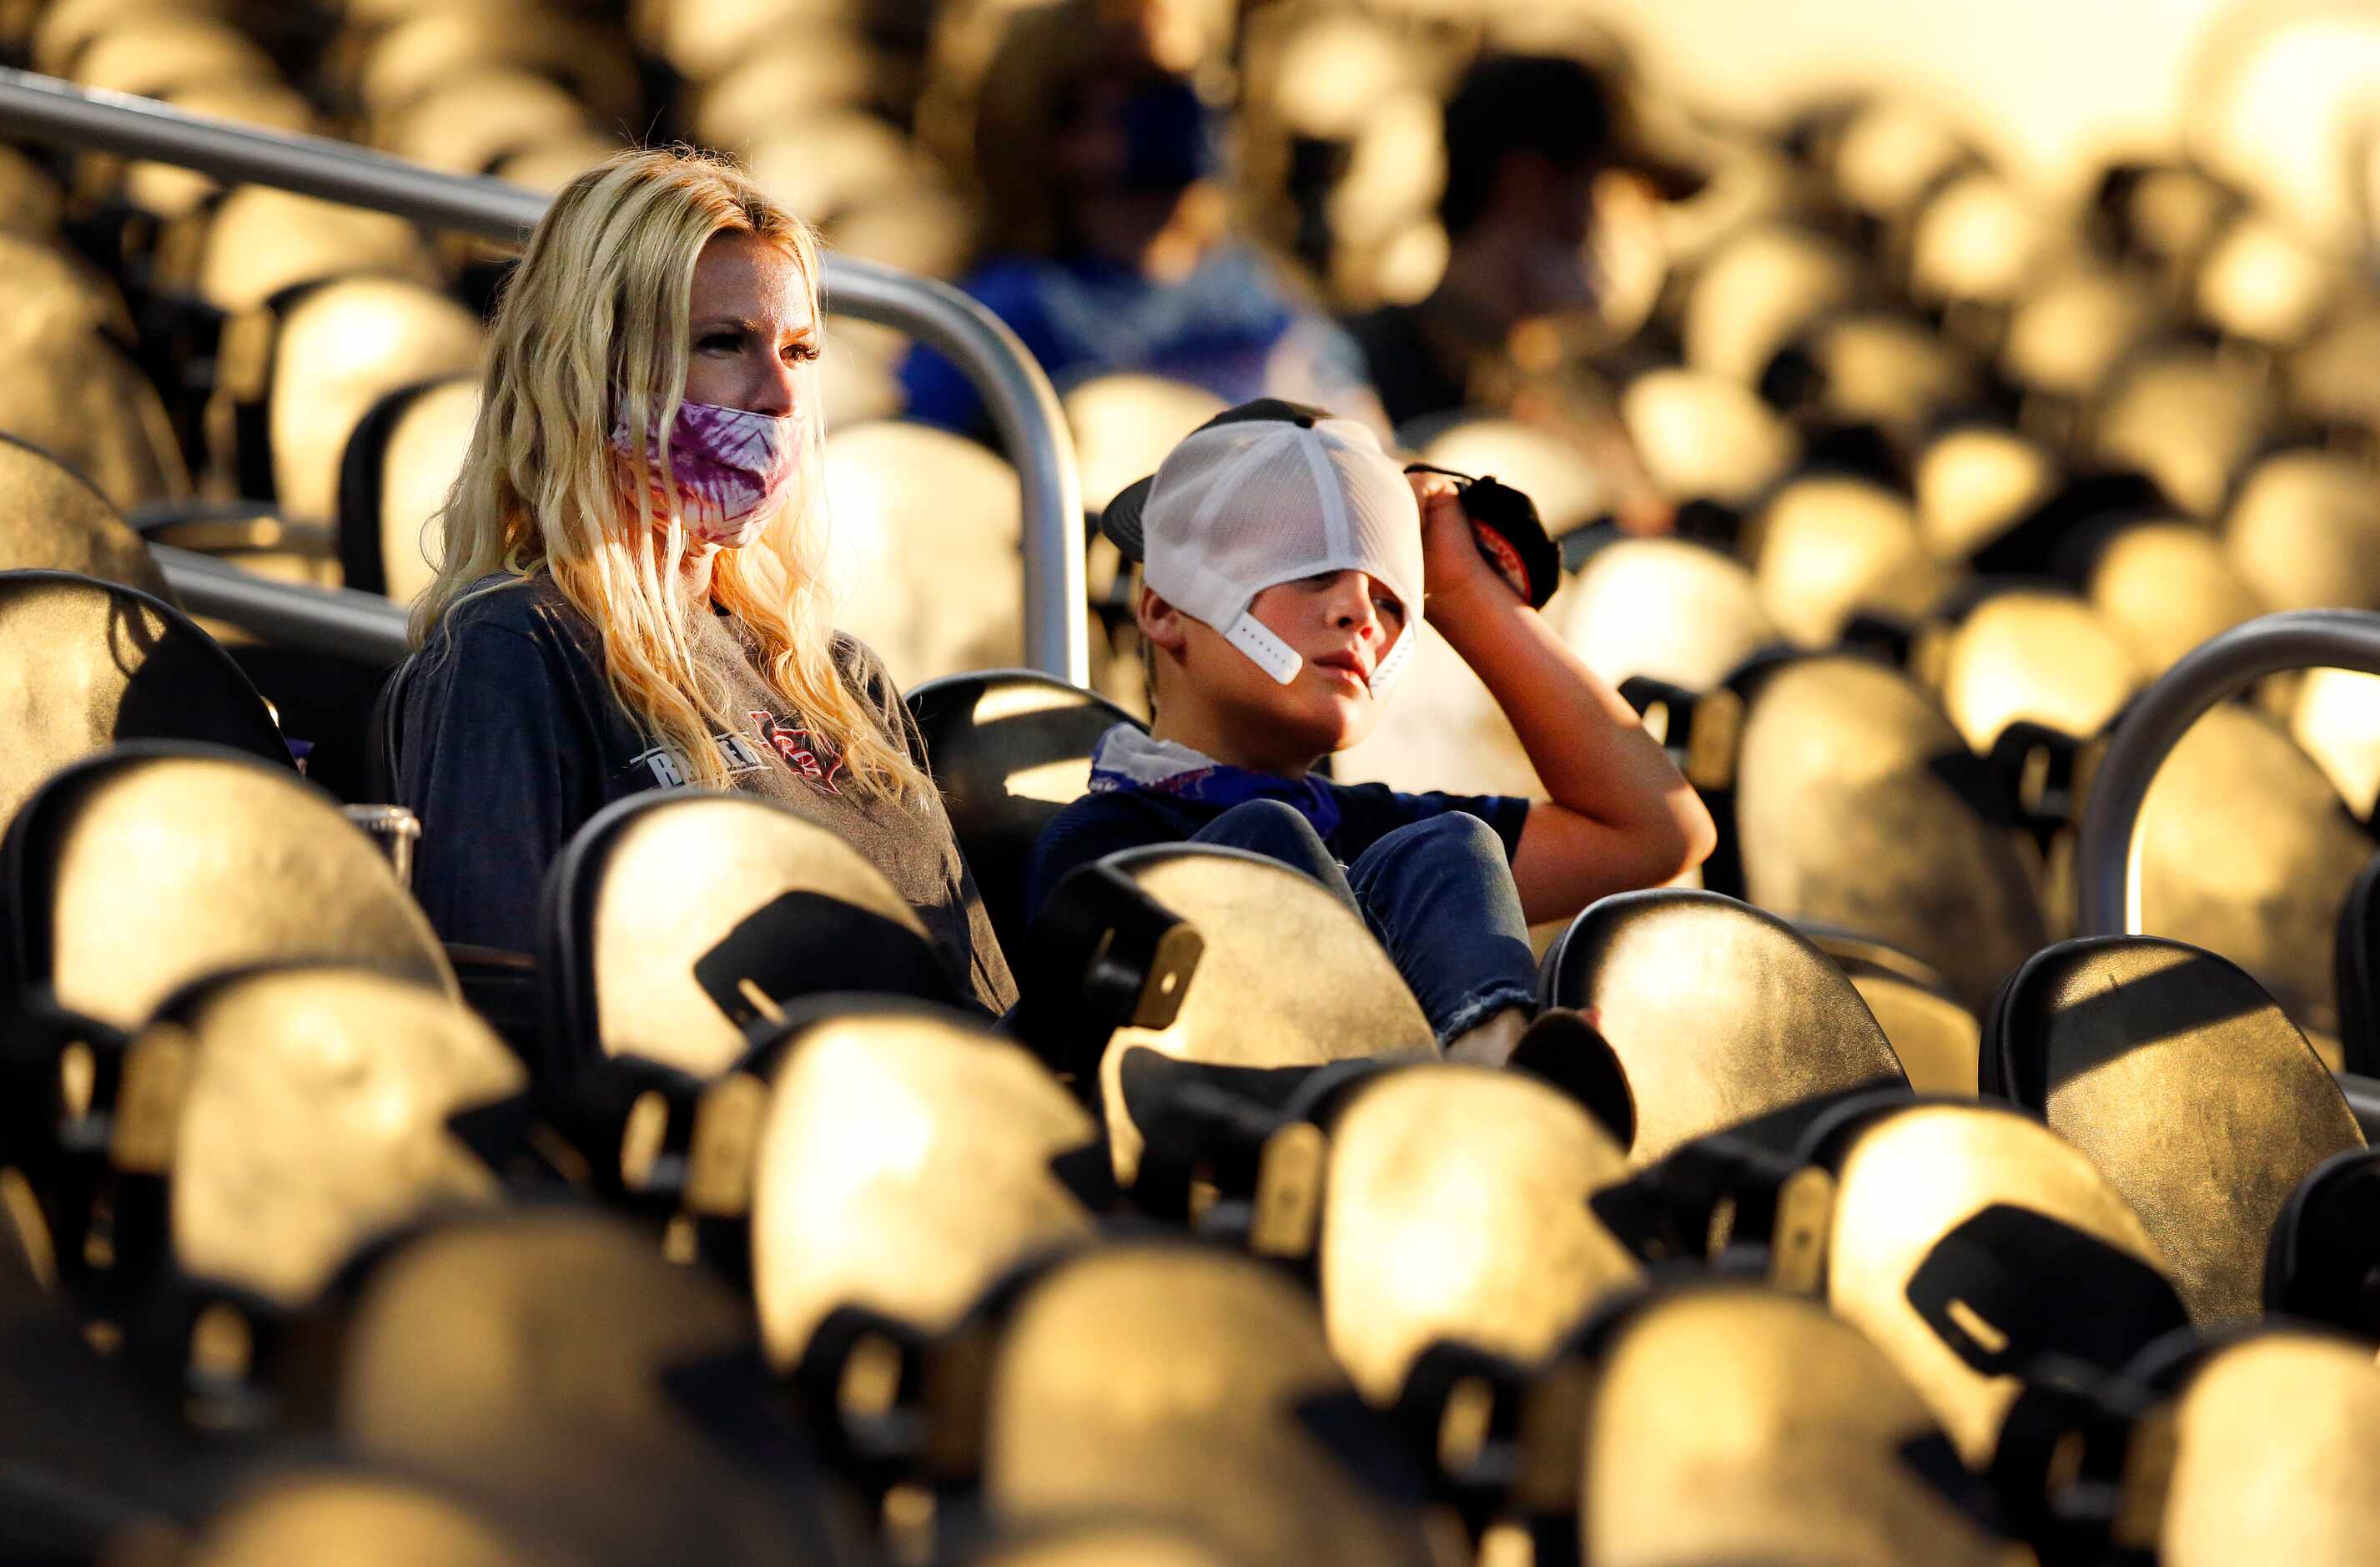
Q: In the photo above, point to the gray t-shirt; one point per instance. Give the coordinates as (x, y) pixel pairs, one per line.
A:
(513, 741)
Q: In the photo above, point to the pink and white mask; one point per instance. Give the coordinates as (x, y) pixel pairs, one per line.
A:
(732, 466)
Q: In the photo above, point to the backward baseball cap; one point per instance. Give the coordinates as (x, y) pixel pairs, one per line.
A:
(1268, 492)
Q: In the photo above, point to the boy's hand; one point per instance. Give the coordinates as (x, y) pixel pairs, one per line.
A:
(1454, 574)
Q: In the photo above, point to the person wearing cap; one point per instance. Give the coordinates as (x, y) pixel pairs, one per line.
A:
(1288, 564)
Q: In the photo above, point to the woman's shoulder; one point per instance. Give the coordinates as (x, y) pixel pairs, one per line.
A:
(503, 605)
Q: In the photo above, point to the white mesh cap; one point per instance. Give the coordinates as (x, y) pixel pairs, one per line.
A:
(1266, 493)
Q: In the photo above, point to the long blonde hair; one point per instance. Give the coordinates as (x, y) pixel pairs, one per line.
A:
(592, 329)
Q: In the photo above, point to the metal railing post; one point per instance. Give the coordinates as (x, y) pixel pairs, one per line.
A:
(1025, 409)
(2107, 859)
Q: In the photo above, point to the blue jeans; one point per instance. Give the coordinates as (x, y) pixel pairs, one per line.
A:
(1438, 894)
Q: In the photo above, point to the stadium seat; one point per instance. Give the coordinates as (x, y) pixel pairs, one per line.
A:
(1110, 998)
(2192, 1093)
(673, 922)
(1668, 609)
(1974, 245)
(1181, 1384)
(824, 68)
(2335, 720)
(474, 118)
(2305, 532)
(1975, 483)
(2323, 1262)
(2189, 420)
(1125, 422)
(2261, 285)
(1758, 292)
(258, 241)
(1826, 548)
(1884, 156)
(417, 54)
(1872, 368)
(394, 477)
(906, 1160)
(903, 494)
(1452, 1209)
(1936, 1037)
(1719, 1012)
(364, 1515)
(1562, 478)
(1008, 750)
(2067, 336)
(319, 358)
(1703, 437)
(1731, 1424)
(545, 1360)
(1980, 1251)
(2246, 850)
(31, 203)
(2332, 377)
(2270, 1437)
(2032, 655)
(322, 1106)
(1856, 805)
(165, 52)
(93, 663)
(53, 519)
(74, 394)
(2164, 588)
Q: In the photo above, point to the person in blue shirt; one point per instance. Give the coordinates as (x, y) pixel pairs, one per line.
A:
(1106, 248)
(1288, 564)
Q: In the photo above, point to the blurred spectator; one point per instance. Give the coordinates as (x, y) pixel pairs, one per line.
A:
(1527, 138)
(1105, 242)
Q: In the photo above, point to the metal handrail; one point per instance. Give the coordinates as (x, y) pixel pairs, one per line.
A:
(2107, 865)
(1023, 407)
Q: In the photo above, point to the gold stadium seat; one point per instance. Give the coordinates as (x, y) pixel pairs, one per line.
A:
(2305, 532)
(31, 205)
(1886, 157)
(1830, 548)
(75, 394)
(1181, 1385)
(1935, 1036)
(782, 77)
(1876, 367)
(62, 31)
(132, 873)
(1758, 292)
(2164, 588)
(1976, 241)
(2166, 216)
(2334, 377)
(550, 166)
(168, 193)
(702, 39)
(1977, 1248)
(906, 1160)
(2194, 1094)
(1702, 437)
(1554, 472)
(1975, 482)
(1665, 608)
(394, 478)
(1103, 1545)
(2261, 285)
(93, 663)
(415, 55)
(2066, 337)
(52, 519)
(1735, 1424)
(2270, 1438)
(1454, 1210)
(2335, 720)
(1693, 991)
(365, 1516)
(676, 921)
(831, 162)
(1848, 812)
(1245, 1013)
(315, 367)
(475, 119)
(1125, 423)
(2246, 849)
(157, 53)
(2038, 656)
(258, 241)
(545, 1362)
(908, 494)
(2189, 420)
(318, 1109)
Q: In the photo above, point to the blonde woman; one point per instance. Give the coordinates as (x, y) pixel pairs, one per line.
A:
(610, 619)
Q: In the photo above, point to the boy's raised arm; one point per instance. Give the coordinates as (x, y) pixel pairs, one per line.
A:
(1620, 816)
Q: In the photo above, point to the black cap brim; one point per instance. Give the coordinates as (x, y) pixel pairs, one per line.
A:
(1121, 521)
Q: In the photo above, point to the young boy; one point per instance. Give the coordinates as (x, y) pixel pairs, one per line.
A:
(1287, 564)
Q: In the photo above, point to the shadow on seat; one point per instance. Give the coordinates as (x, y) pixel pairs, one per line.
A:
(2189, 1088)
(1009, 748)
(1718, 1012)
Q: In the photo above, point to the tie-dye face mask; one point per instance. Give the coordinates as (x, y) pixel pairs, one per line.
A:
(732, 467)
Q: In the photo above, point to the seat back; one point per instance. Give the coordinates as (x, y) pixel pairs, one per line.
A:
(1978, 1250)
(1190, 1384)
(2189, 1088)
(320, 1109)
(129, 874)
(2273, 1439)
(1125, 422)
(675, 921)
(92, 663)
(1735, 1424)
(1454, 1210)
(1008, 748)
(2305, 532)
(1936, 1037)
(2189, 419)
(363, 1517)
(394, 477)
(2247, 850)
(1663, 608)
(1718, 1012)
(1705, 437)
(1848, 812)
(52, 519)
(1973, 483)
(1830, 547)
(2164, 588)
(2038, 656)
(904, 1164)
(1289, 978)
